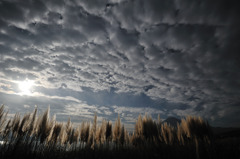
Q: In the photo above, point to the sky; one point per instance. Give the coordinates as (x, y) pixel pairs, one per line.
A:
(127, 57)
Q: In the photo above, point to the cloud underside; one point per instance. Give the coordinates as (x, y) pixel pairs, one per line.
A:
(183, 53)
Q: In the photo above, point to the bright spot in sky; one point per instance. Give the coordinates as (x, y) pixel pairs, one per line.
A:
(25, 87)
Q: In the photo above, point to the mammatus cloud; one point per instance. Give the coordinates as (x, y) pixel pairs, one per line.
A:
(181, 57)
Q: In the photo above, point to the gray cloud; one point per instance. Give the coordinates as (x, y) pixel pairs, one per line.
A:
(184, 53)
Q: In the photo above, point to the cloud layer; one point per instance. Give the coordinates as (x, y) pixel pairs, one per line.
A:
(177, 58)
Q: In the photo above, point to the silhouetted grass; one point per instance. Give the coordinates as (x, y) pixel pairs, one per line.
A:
(39, 136)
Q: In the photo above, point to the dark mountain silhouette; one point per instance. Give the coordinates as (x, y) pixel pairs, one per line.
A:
(172, 121)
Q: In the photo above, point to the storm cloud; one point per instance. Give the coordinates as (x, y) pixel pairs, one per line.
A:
(167, 57)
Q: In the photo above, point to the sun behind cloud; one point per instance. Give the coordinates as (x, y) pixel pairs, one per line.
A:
(25, 87)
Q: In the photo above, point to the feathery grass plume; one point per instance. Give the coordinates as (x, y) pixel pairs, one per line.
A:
(138, 138)
(91, 141)
(3, 117)
(76, 135)
(159, 125)
(7, 130)
(198, 127)
(159, 120)
(69, 129)
(63, 137)
(185, 129)
(85, 128)
(180, 134)
(100, 137)
(94, 126)
(70, 136)
(92, 135)
(149, 128)
(23, 127)
(103, 130)
(1, 111)
(15, 124)
(33, 122)
(36, 126)
(164, 133)
(82, 132)
(117, 130)
(172, 135)
(68, 126)
(193, 125)
(44, 126)
(108, 132)
(56, 132)
(14, 129)
(139, 126)
(73, 139)
(21, 131)
(127, 137)
(167, 134)
(52, 125)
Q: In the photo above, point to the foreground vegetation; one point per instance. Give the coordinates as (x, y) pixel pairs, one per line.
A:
(39, 136)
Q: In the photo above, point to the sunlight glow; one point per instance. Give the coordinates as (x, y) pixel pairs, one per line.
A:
(25, 87)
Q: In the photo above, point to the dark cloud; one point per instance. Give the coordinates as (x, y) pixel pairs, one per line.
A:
(175, 57)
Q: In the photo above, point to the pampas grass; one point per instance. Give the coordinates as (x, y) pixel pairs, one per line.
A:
(108, 133)
(117, 130)
(44, 126)
(2, 118)
(40, 134)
